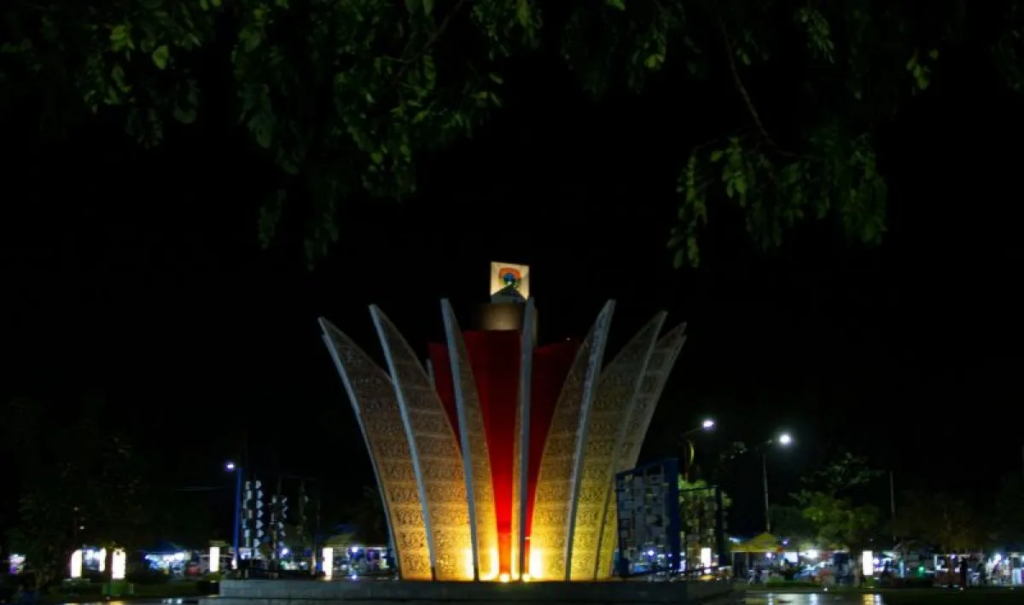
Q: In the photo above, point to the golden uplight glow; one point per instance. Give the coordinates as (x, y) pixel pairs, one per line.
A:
(504, 577)
(492, 573)
(536, 568)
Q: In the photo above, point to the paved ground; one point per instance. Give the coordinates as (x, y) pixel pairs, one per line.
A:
(176, 601)
(769, 598)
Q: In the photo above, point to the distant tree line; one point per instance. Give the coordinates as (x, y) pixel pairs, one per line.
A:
(831, 511)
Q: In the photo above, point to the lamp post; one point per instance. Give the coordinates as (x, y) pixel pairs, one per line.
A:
(691, 451)
(237, 470)
(784, 440)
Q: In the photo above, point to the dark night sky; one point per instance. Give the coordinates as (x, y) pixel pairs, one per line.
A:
(139, 276)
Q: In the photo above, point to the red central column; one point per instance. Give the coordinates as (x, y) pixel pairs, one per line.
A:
(494, 357)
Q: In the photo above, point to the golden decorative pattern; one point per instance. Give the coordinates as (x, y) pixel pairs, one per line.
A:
(373, 399)
(663, 359)
(558, 479)
(613, 399)
(521, 446)
(659, 366)
(437, 460)
(479, 482)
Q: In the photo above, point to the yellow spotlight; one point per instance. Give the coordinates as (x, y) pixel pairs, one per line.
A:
(503, 577)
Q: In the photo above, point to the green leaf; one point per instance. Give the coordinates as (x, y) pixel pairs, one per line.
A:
(619, 4)
(428, 7)
(119, 33)
(716, 155)
(186, 115)
(161, 56)
(523, 12)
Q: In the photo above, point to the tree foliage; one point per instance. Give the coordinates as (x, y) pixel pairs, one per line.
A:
(841, 474)
(947, 523)
(789, 522)
(828, 505)
(1007, 524)
(369, 516)
(837, 521)
(347, 96)
(77, 484)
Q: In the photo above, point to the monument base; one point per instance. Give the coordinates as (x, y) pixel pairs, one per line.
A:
(370, 592)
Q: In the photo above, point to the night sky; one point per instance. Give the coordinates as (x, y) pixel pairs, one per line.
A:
(138, 276)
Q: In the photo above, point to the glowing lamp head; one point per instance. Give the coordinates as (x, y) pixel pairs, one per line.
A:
(708, 424)
(785, 439)
(230, 466)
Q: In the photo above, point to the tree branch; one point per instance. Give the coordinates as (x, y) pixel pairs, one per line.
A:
(742, 89)
(434, 37)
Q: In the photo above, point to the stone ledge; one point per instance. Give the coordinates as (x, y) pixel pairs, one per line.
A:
(282, 592)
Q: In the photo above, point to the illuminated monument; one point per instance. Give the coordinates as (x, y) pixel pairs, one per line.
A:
(497, 460)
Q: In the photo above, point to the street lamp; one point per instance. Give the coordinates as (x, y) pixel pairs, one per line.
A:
(707, 425)
(231, 467)
(784, 440)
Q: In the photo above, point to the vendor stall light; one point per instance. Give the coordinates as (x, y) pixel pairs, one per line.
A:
(328, 562)
(214, 559)
(705, 557)
(101, 555)
(118, 565)
(867, 563)
(811, 554)
(76, 565)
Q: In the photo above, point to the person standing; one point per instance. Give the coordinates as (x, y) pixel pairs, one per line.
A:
(963, 573)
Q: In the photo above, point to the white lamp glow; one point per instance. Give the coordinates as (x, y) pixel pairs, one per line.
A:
(867, 563)
(328, 559)
(705, 557)
(76, 565)
(214, 559)
(103, 559)
(118, 564)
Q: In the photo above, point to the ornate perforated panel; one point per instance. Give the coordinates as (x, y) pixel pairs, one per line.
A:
(373, 399)
(479, 482)
(658, 369)
(609, 541)
(521, 449)
(550, 539)
(659, 366)
(613, 400)
(436, 456)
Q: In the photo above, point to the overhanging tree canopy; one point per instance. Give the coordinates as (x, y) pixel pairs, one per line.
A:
(347, 96)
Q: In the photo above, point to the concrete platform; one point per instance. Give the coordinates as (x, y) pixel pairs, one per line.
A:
(303, 592)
